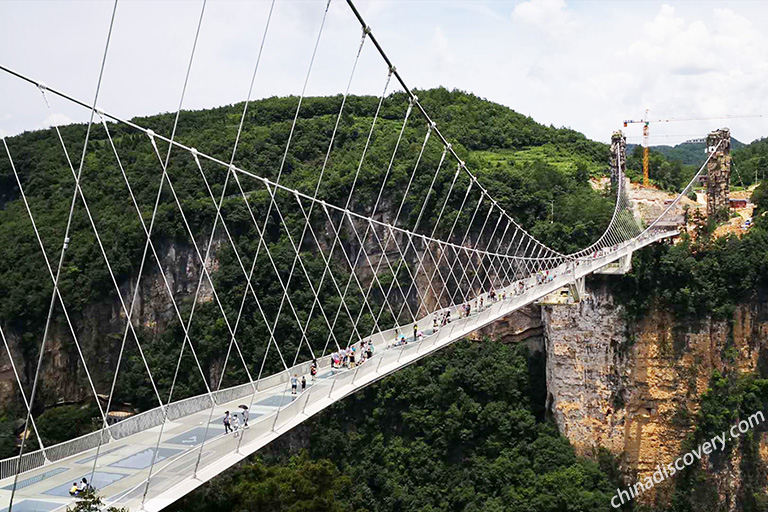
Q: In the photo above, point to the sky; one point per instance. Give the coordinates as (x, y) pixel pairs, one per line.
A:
(585, 65)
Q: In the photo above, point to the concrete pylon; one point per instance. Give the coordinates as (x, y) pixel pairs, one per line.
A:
(718, 174)
(618, 158)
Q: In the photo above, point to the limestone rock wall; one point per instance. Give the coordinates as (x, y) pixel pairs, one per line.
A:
(633, 389)
(100, 329)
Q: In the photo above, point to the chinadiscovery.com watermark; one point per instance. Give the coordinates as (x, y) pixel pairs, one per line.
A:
(663, 472)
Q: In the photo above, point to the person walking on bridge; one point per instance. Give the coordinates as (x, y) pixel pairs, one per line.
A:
(294, 383)
(415, 331)
(235, 424)
(227, 422)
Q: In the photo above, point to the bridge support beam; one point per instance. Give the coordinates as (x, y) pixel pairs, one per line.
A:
(577, 289)
(625, 264)
(618, 268)
(618, 158)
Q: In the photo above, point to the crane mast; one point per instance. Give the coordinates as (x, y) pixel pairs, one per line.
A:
(646, 150)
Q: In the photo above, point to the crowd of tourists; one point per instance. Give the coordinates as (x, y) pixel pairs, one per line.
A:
(352, 355)
(358, 353)
(232, 422)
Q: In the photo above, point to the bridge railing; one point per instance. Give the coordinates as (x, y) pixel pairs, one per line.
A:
(146, 420)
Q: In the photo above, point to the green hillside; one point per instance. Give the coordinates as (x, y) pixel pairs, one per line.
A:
(689, 153)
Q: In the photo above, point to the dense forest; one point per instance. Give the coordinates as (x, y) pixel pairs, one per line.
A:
(688, 153)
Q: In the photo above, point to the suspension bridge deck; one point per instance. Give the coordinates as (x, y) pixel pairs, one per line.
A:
(193, 436)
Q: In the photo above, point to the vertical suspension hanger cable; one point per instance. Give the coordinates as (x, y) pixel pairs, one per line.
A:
(61, 257)
(164, 176)
(337, 229)
(378, 199)
(320, 180)
(279, 175)
(248, 276)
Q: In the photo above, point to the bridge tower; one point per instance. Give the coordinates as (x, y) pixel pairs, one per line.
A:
(718, 174)
(618, 158)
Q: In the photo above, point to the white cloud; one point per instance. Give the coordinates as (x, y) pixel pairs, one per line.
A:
(55, 119)
(550, 16)
(585, 65)
(667, 42)
(442, 50)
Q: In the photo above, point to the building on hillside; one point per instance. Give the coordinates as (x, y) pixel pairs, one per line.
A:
(737, 203)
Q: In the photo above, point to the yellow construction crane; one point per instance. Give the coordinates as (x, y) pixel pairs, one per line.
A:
(646, 129)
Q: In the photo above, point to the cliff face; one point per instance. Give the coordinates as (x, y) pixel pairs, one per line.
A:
(633, 389)
(100, 330)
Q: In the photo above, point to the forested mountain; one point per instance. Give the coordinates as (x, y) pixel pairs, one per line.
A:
(499, 145)
(688, 153)
(751, 162)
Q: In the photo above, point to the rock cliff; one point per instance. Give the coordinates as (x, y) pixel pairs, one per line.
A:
(100, 327)
(633, 389)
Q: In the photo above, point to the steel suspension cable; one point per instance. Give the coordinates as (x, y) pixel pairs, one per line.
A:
(61, 258)
(320, 180)
(336, 230)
